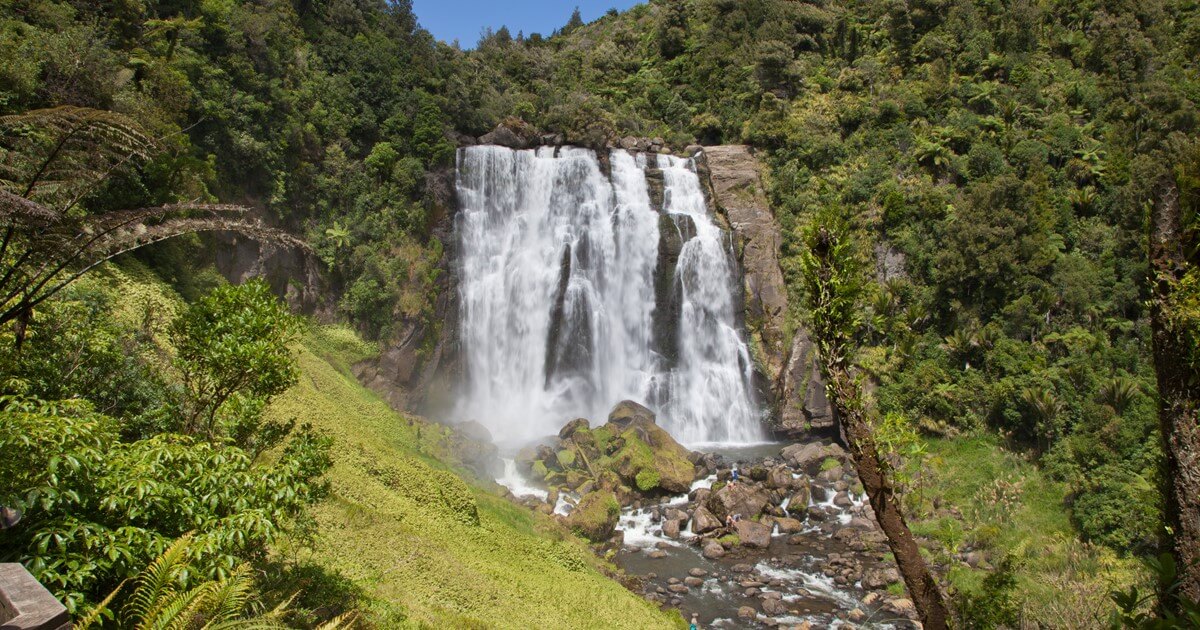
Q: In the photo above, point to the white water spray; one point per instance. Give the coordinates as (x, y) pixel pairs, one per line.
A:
(557, 285)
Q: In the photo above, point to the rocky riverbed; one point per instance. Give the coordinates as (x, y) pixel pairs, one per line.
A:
(791, 543)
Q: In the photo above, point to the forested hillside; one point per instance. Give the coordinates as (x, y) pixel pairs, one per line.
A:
(997, 159)
(995, 163)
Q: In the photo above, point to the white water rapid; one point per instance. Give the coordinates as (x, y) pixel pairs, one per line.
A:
(559, 318)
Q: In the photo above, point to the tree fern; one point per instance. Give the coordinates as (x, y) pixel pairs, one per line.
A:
(53, 159)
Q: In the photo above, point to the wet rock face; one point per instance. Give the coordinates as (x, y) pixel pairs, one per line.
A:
(788, 362)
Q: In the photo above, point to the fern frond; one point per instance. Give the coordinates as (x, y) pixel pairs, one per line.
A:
(230, 596)
(341, 622)
(93, 615)
(156, 584)
(176, 612)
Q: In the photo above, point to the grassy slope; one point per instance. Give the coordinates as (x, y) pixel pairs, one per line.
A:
(1009, 507)
(391, 528)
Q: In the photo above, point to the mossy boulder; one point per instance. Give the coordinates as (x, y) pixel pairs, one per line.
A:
(647, 480)
(572, 427)
(644, 450)
(596, 515)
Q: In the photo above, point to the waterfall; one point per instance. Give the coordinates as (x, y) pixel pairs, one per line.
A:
(710, 389)
(558, 265)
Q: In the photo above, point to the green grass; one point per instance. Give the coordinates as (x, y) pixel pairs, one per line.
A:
(1009, 506)
(402, 526)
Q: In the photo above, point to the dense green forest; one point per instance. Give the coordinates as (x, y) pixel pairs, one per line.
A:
(995, 163)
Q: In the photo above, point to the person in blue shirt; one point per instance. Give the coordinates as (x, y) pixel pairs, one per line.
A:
(695, 623)
(733, 479)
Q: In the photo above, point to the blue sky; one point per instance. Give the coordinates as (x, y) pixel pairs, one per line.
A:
(465, 19)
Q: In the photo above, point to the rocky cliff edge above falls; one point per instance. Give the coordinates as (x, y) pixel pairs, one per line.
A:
(786, 353)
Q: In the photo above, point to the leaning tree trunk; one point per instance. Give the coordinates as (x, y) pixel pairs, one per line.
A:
(1178, 390)
(846, 401)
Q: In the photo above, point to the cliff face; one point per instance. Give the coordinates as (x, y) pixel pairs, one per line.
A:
(419, 363)
(784, 351)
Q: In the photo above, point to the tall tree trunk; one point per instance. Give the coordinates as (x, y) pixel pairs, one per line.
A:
(1178, 389)
(922, 586)
(834, 280)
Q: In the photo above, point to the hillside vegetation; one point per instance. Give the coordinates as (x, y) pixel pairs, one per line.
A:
(994, 163)
(428, 548)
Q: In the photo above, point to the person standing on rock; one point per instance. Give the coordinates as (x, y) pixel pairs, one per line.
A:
(733, 475)
(695, 623)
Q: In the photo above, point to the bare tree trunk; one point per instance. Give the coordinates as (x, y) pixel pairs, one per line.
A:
(1178, 391)
(846, 400)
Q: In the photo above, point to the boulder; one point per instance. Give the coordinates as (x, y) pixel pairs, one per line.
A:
(780, 477)
(753, 534)
(571, 427)
(832, 474)
(788, 525)
(808, 456)
(903, 607)
(627, 411)
(670, 529)
(746, 612)
(798, 502)
(475, 431)
(740, 498)
(697, 572)
(774, 606)
(512, 133)
(596, 515)
(470, 444)
(704, 521)
(693, 581)
(864, 524)
(842, 500)
(874, 579)
(713, 550)
(647, 457)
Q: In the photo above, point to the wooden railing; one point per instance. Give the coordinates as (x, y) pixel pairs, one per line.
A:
(26, 605)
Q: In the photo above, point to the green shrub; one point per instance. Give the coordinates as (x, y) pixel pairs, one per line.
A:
(96, 509)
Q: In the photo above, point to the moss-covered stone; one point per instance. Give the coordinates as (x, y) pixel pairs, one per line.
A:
(647, 479)
(538, 470)
(595, 518)
(649, 447)
(566, 458)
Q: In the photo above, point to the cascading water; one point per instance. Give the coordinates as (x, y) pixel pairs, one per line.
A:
(557, 280)
(710, 396)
